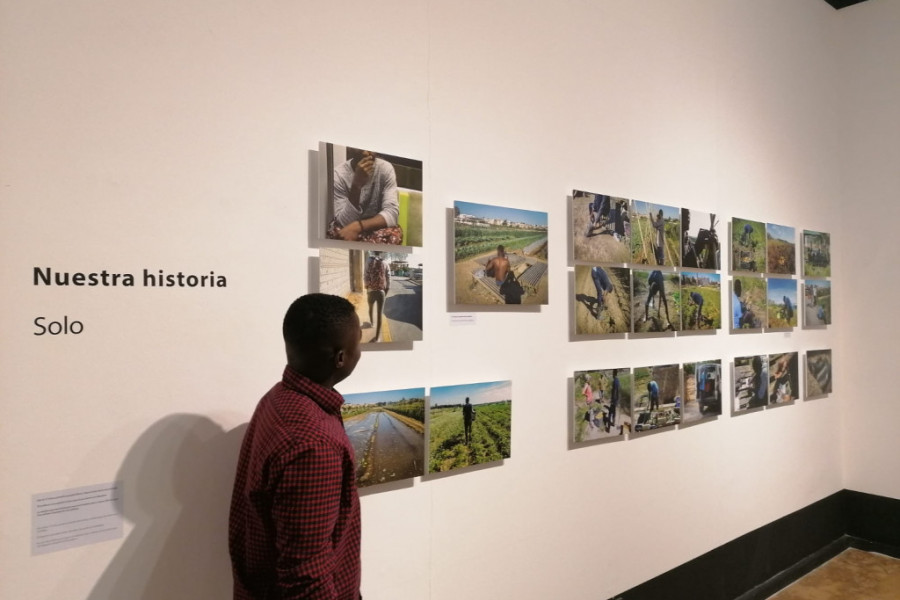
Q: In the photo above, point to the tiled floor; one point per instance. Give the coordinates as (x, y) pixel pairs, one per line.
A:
(851, 575)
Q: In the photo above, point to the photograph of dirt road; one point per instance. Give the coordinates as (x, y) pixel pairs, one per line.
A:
(602, 300)
(655, 301)
(748, 302)
(751, 382)
(601, 228)
(816, 254)
(699, 246)
(655, 234)
(748, 246)
(701, 301)
(469, 424)
(387, 430)
(386, 315)
(601, 404)
(702, 390)
(781, 249)
(500, 255)
(784, 378)
(817, 302)
(656, 399)
(782, 303)
(818, 373)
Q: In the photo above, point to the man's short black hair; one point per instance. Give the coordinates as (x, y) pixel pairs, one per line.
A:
(737, 287)
(316, 321)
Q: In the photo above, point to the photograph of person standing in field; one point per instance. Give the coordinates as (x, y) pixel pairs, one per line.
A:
(655, 234)
(469, 425)
(500, 255)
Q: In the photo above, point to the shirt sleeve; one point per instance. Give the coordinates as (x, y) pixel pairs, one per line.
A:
(344, 212)
(305, 510)
(390, 204)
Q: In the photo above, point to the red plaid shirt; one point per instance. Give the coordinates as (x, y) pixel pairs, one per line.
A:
(294, 530)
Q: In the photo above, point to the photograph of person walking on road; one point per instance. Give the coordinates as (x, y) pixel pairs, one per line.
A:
(469, 425)
(387, 431)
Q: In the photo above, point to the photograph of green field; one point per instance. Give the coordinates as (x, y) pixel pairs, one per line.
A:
(387, 431)
(701, 301)
(656, 400)
(748, 302)
(601, 228)
(782, 303)
(655, 301)
(655, 234)
(500, 255)
(702, 390)
(784, 378)
(818, 373)
(469, 425)
(602, 300)
(816, 254)
(817, 302)
(601, 404)
(781, 249)
(748, 246)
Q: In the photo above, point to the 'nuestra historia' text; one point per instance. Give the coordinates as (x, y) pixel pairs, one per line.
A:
(47, 276)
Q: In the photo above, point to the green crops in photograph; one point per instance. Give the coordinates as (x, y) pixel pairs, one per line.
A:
(490, 436)
(473, 241)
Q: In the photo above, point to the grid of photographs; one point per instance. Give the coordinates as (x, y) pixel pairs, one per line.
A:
(816, 270)
(500, 255)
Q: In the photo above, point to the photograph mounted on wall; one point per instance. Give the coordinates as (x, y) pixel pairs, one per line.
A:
(369, 197)
(702, 390)
(748, 303)
(602, 300)
(700, 247)
(784, 378)
(500, 255)
(818, 373)
(782, 303)
(751, 382)
(701, 301)
(601, 228)
(385, 288)
(469, 425)
(655, 301)
(601, 404)
(655, 234)
(816, 254)
(781, 249)
(387, 430)
(817, 302)
(748, 246)
(656, 399)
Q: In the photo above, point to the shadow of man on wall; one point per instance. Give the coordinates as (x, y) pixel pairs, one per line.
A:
(177, 481)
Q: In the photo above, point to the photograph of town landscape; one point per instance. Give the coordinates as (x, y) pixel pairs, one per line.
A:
(500, 255)
(387, 431)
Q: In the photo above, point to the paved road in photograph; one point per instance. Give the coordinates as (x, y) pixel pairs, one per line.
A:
(403, 310)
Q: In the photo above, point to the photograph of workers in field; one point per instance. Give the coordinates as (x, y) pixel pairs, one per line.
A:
(656, 399)
(601, 404)
(782, 304)
(748, 302)
(601, 228)
(702, 390)
(751, 382)
(748, 246)
(469, 425)
(816, 254)
(699, 241)
(655, 234)
(369, 197)
(500, 255)
(784, 378)
(602, 300)
(385, 288)
(701, 301)
(387, 430)
(817, 302)
(818, 373)
(655, 301)
(781, 249)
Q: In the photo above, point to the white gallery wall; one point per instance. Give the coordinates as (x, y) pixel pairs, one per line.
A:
(181, 136)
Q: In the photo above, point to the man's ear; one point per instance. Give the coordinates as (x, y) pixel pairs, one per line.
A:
(339, 358)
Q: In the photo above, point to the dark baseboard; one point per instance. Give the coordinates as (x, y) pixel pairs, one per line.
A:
(758, 564)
